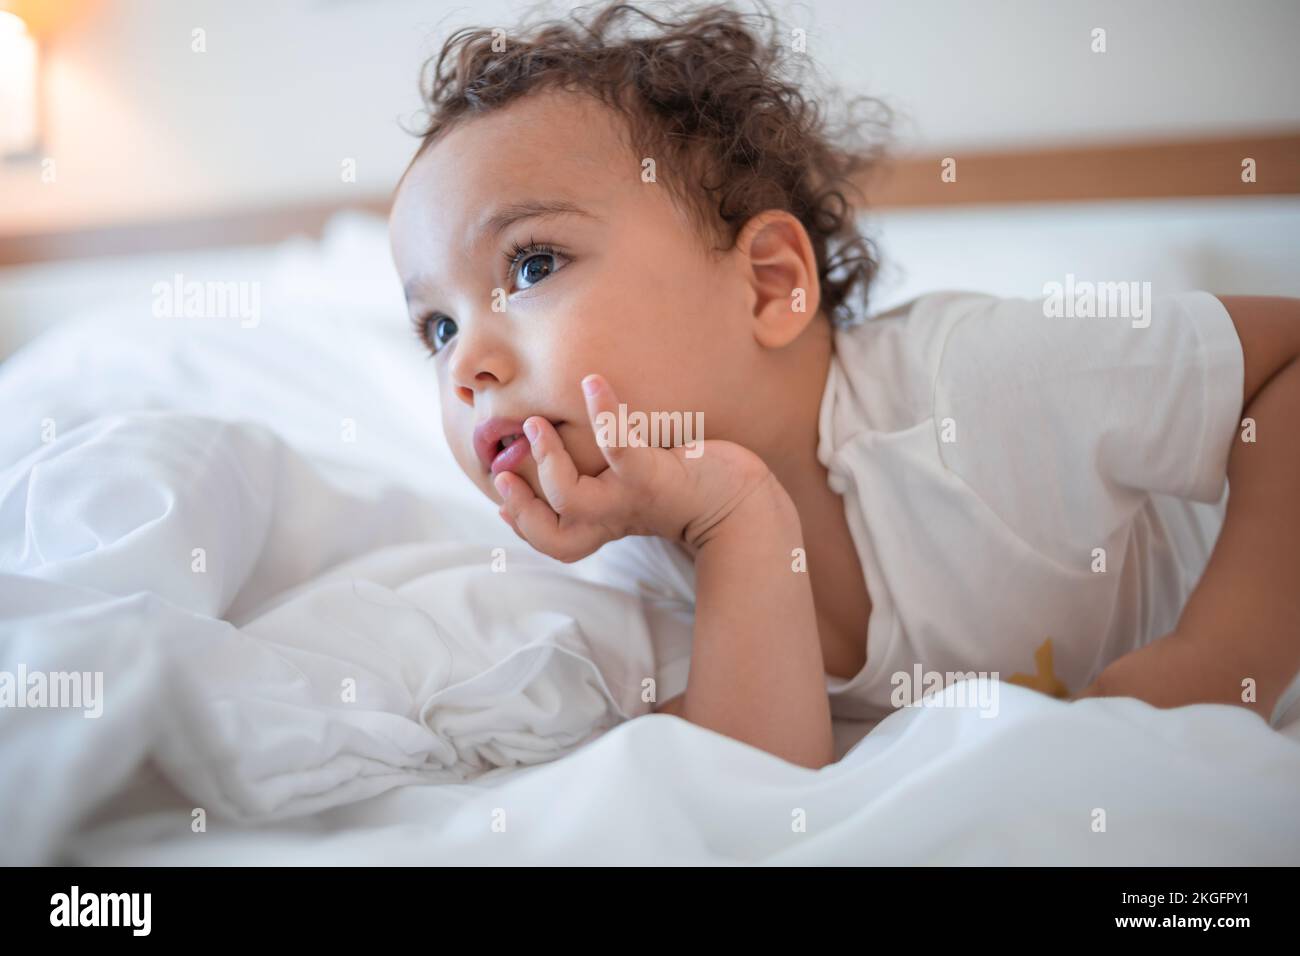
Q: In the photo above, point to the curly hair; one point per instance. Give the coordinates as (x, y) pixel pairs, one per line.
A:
(719, 101)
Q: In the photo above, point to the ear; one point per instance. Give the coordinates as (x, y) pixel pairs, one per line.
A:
(781, 268)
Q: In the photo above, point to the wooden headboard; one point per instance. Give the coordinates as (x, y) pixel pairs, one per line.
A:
(1150, 169)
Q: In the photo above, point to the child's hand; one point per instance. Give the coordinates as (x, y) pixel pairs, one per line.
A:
(1142, 673)
(1173, 671)
(644, 491)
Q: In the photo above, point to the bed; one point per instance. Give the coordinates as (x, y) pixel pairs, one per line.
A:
(254, 532)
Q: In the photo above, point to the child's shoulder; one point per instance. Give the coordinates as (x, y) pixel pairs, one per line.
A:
(887, 363)
(914, 332)
(969, 338)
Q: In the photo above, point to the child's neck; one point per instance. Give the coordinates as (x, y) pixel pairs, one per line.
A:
(792, 426)
(836, 575)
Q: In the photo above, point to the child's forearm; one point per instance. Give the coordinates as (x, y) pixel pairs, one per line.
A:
(1245, 613)
(1238, 640)
(756, 666)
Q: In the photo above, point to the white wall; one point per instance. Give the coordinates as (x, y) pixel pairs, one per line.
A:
(142, 127)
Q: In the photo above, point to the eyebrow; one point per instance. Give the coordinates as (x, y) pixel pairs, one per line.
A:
(506, 216)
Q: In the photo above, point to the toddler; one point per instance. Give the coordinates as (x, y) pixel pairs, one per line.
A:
(635, 211)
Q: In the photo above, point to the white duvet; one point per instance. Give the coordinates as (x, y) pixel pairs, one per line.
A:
(319, 645)
(277, 644)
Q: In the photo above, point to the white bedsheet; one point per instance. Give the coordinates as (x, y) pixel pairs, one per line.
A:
(491, 722)
(369, 647)
(1197, 786)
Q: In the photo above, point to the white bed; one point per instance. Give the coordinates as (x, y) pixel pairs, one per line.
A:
(339, 543)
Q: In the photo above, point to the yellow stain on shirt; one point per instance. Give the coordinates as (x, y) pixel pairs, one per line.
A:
(1045, 681)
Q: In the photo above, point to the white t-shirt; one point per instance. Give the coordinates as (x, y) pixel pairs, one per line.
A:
(992, 461)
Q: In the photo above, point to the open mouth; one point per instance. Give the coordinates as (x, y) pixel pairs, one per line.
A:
(511, 452)
(501, 444)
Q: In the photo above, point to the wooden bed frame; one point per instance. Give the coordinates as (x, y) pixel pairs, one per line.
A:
(1149, 169)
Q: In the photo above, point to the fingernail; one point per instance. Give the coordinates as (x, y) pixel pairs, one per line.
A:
(531, 430)
(503, 489)
(590, 385)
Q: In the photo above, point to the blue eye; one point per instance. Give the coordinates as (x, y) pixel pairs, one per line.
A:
(435, 331)
(534, 269)
(443, 331)
(531, 263)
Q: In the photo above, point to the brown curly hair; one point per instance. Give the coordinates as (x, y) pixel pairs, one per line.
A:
(702, 89)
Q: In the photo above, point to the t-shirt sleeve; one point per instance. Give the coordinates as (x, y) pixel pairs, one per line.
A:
(1063, 424)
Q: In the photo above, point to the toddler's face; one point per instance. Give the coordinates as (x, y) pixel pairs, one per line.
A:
(620, 284)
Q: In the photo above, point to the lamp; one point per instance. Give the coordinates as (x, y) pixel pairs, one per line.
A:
(25, 27)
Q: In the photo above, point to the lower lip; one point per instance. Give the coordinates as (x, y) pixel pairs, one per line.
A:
(511, 456)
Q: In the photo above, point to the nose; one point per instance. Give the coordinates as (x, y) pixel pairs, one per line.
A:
(480, 360)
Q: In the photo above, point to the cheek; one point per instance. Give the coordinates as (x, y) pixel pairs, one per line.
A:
(580, 441)
(457, 424)
(666, 357)
(675, 326)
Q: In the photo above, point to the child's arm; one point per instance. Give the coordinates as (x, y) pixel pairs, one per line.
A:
(756, 664)
(1243, 619)
(757, 673)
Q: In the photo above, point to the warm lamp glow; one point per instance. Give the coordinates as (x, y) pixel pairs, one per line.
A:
(25, 27)
(44, 18)
(19, 125)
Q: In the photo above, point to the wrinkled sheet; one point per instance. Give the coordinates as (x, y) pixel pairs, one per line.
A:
(1098, 782)
(267, 638)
